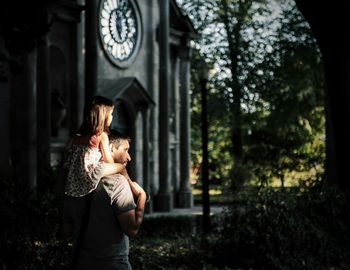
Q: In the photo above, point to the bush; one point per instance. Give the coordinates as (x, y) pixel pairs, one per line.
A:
(284, 230)
(270, 229)
(30, 225)
(168, 227)
(164, 253)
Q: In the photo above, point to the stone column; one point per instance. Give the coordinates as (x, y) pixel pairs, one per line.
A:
(145, 157)
(91, 39)
(43, 106)
(165, 201)
(175, 127)
(74, 83)
(81, 69)
(23, 120)
(5, 120)
(185, 194)
(152, 64)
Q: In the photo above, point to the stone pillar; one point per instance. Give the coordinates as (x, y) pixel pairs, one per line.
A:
(5, 120)
(152, 65)
(145, 157)
(23, 120)
(81, 70)
(43, 107)
(91, 39)
(165, 201)
(185, 194)
(175, 127)
(74, 83)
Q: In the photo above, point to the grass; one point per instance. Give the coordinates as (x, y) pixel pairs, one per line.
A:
(216, 196)
(185, 252)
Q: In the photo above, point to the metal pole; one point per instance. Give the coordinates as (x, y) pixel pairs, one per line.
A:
(205, 170)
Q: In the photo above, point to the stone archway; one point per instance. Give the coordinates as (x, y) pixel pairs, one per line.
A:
(131, 117)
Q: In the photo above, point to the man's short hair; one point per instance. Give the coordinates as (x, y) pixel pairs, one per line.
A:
(116, 137)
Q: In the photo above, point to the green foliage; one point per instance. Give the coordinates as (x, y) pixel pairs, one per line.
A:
(294, 229)
(30, 223)
(163, 254)
(219, 145)
(166, 243)
(286, 136)
(267, 88)
(178, 225)
(275, 229)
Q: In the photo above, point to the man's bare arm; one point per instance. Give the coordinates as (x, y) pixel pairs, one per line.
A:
(130, 221)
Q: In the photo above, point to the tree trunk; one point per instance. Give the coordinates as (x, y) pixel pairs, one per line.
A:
(233, 38)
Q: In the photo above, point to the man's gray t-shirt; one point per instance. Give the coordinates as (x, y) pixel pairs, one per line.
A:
(105, 245)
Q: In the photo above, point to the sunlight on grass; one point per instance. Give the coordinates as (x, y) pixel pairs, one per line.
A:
(291, 179)
(212, 192)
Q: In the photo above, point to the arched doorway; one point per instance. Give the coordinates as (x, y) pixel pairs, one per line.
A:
(131, 118)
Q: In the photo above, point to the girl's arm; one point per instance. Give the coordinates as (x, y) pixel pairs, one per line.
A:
(104, 146)
(109, 169)
(130, 221)
(113, 168)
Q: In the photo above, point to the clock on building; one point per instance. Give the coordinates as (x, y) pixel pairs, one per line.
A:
(120, 30)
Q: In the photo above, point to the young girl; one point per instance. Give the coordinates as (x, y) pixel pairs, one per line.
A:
(89, 148)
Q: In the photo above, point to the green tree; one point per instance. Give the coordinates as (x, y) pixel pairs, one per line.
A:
(286, 136)
(267, 86)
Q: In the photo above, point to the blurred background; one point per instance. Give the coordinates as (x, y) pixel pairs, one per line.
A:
(238, 112)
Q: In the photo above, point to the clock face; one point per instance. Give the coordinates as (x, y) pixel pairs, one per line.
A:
(120, 30)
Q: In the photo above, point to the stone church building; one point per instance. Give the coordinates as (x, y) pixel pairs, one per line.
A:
(58, 53)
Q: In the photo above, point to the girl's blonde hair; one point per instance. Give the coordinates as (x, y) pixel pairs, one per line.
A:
(95, 116)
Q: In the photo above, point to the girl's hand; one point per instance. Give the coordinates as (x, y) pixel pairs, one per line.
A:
(124, 172)
(136, 189)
